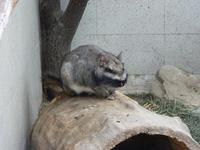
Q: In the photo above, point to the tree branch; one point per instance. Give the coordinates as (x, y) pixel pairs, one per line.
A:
(71, 19)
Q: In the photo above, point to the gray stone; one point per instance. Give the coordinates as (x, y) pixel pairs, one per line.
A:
(176, 84)
(138, 84)
(196, 112)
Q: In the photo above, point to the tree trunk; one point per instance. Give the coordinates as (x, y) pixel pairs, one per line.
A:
(58, 29)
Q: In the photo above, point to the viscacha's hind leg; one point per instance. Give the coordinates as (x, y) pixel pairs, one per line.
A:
(66, 77)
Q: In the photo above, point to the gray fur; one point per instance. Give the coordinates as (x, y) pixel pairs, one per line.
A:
(90, 69)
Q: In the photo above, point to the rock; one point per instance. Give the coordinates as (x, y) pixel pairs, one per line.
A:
(196, 112)
(157, 89)
(138, 84)
(90, 123)
(175, 84)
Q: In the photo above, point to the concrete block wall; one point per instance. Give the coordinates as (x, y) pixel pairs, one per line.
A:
(20, 76)
(151, 33)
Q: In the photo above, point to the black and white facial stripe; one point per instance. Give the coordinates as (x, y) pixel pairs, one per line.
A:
(113, 80)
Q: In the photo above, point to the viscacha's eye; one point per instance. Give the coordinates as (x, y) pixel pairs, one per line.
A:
(109, 70)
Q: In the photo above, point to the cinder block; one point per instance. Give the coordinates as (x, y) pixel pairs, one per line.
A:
(130, 16)
(182, 16)
(183, 51)
(83, 40)
(88, 22)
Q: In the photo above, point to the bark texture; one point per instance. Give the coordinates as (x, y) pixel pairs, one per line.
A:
(58, 29)
(89, 123)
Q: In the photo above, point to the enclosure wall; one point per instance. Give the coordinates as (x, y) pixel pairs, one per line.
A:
(151, 33)
(20, 76)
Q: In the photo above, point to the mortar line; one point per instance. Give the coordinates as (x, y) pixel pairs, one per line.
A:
(164, 42)
(105, 34)
(96, 16)
(164, 16)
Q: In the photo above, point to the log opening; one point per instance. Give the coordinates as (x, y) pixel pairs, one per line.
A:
(151, 142)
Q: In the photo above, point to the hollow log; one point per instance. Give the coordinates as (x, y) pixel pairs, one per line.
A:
(90, 123)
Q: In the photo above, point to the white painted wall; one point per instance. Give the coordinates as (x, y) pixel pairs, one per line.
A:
(20, 76)
(151, 33)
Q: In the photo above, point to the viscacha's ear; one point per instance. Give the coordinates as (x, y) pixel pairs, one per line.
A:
(102, 60)
(119, 56)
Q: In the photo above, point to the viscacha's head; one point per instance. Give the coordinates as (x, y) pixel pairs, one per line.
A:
(110, 70)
